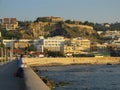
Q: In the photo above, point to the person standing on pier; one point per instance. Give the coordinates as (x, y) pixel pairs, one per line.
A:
(20, 66)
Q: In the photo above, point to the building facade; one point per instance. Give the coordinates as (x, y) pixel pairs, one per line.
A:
(55, 44)
(22, 43)
(9, 23)
(76, 46)
(49, 44)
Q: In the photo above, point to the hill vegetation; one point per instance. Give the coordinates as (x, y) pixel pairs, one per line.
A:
(46, 27)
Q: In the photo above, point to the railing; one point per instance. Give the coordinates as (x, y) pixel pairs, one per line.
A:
(4, 60)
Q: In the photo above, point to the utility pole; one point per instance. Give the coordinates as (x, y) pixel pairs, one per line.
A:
(11, 50)
(5, 55)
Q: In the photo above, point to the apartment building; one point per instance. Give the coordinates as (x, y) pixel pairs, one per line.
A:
(76, 46)
(51, 43)
(22, 43)
(101, 47)
(57, 43)
(9, 23)
(116, 43)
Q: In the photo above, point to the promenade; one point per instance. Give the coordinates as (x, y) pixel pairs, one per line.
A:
(71, 60)
(7, 79)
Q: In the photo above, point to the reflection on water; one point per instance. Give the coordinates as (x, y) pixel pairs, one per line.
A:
(84, 77)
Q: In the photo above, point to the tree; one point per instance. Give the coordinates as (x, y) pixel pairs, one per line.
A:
(88, 23)
(70, 21)
(11, 34)
(115, 26)
(99, 27)
(24, 24)
(31, 48)
(54, 54)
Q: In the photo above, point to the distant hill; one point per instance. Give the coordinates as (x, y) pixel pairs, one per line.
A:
(33, 30)
(56, 26)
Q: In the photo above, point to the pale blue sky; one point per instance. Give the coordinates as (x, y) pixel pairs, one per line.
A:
(100, 11)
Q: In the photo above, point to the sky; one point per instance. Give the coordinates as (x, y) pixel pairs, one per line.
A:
(97, 11)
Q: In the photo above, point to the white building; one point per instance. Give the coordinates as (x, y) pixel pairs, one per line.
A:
(17, 43)
(117, 43)
(50, 44)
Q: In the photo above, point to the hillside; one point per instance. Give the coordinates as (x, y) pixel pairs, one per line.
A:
(34, 30)
(62, 29)
(53, 26)
(72, 31)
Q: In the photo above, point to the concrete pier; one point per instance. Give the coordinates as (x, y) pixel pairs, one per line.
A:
(32, 80)
(7, 79)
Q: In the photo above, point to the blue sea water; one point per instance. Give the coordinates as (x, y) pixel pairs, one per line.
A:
(84, 77)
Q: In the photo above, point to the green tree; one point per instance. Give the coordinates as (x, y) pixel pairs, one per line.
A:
(70, 21)
(11, 34)
(54, 54)
(88, 23)
(24, 24)
(31, 48)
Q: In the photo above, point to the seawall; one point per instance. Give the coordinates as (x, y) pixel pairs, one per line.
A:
(68, 61)
(32, 80)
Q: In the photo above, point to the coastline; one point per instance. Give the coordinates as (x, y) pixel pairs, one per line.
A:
(71, 61)
(56, 63)
(82, 77)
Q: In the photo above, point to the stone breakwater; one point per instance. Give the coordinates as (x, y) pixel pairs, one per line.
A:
(70, 61)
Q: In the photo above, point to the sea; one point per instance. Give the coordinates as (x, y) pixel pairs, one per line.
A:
(83, 77)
